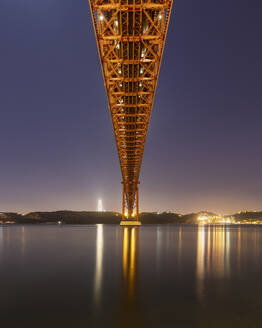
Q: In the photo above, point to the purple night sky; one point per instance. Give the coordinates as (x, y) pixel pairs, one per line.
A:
(57, 149)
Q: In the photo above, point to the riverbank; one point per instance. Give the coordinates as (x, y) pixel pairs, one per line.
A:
(89, 217)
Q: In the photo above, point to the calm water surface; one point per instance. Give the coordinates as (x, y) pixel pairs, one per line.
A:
(153, 276)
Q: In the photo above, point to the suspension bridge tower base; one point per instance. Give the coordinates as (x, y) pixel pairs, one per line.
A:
(130, 205)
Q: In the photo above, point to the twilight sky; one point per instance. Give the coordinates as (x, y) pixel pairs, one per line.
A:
(57, 149)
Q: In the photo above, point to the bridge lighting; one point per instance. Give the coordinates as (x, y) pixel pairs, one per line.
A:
(116, 23)
(140, 84)
(160, 16)
(119, 71)
(101, 17)
(117, 46)
(141, 70)
(143, 53)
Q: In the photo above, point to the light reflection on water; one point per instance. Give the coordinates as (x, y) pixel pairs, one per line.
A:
(152, 276)
(129, 259)
(213, 255)
(99, 264)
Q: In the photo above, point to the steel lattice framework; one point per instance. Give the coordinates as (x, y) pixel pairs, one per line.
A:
(130, 37)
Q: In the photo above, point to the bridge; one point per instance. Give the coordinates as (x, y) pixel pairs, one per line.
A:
(130, 36)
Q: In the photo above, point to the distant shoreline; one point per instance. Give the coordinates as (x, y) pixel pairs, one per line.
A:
(91, 217)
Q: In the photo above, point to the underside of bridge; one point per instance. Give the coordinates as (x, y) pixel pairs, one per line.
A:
(130, 37)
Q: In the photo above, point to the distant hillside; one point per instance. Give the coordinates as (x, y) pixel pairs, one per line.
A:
(248, 215)
(75, 217)
(85, 217)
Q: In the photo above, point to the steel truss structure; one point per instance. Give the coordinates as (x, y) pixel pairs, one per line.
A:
(130, 37)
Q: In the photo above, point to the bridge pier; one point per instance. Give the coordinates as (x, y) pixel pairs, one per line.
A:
(130, 204)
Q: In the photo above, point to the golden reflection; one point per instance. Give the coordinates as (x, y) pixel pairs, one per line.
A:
(227, 249)
(213, 254)
(99, 264)
(1, 238)
(23, 240)
(208, 248)
(125, 251)
(129, 259)
(132, 254)
(130, 313)
(179, 246)
(200, 270)
(218, 251)
(238, 247)
(159, 243)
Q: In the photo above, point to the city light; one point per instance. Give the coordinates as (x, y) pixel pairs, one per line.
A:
(205, 218)
(202, 218)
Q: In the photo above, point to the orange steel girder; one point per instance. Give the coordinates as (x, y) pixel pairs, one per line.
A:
(130, 37)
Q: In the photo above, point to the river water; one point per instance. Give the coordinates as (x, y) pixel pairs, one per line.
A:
(152, 276)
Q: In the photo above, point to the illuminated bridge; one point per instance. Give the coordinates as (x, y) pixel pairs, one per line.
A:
(130, 37)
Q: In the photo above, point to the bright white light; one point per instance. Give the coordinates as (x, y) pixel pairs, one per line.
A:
(101, 17)
(143, 52)
(159, 16)
(202, 218)
(99, 205)
(117, 46)
(141, 70)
